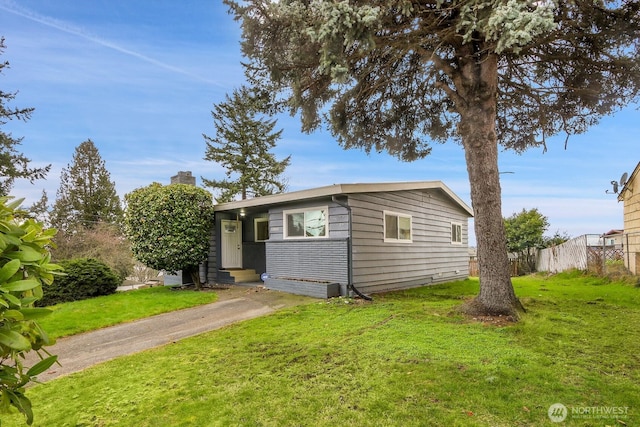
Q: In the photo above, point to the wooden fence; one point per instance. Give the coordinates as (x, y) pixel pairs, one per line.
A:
(475, 272)
(569, 255)
(589, 252)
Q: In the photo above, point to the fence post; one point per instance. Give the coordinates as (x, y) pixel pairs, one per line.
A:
(604, 255)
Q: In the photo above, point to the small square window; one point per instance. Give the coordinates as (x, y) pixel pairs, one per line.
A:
(261, 227)
(397, 227)
(308, 223)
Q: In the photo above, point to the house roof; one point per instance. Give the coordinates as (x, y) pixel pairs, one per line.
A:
(342, 189)
(627, 185)
(613, 232)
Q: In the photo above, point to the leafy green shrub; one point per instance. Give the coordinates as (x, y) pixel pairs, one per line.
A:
(25, 265)
(169, 226)
(84, 278)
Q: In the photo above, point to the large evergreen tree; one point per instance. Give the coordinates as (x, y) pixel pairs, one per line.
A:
(86, 194)
(13, 164)
(242, 146)
(396, 74)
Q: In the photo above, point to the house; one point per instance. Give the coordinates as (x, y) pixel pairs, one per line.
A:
(612, 239)
(630, 195)
(333, 240)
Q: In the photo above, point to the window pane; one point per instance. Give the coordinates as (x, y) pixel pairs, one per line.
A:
(391, 227)
(295, 224)
(314, 223)
(262, 230)
(404, 232)
(456, 233)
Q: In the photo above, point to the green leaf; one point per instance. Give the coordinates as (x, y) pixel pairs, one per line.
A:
(14, 205)
(28, 301)
(35, 313)
(9, 269)
(25, 254)
(23, 404)
(13, 315)
(42, 366)
(8, 239)
(13, 300)
(20, 285)
(14, 340)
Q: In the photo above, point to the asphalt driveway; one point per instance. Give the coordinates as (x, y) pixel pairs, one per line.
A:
(235, 304)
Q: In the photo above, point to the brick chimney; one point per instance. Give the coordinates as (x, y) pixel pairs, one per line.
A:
(184, 178)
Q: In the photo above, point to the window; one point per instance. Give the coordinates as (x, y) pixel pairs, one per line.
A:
(456, 233)
(397, 227)
(306, 223)
(261, 229)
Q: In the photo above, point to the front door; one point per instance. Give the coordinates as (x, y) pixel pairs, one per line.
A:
(231, 244)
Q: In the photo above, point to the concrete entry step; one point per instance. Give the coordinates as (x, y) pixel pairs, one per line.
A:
(243, 276)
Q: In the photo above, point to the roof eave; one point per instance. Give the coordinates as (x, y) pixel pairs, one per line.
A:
(341, 189)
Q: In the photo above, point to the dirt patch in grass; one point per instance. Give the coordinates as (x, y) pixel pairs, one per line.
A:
(499, 321)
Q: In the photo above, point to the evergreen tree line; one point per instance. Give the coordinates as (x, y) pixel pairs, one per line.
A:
(87, 211)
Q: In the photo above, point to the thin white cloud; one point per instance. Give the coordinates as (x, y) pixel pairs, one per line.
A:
(11, 7)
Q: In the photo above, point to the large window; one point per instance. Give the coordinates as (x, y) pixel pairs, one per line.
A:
(261, 229)
(456, 233)
(306, 223)
(397, 227)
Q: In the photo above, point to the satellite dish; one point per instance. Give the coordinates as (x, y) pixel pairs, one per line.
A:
(615, 186)
(623, 179)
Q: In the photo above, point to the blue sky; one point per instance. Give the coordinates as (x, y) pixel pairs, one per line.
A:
(139, 78)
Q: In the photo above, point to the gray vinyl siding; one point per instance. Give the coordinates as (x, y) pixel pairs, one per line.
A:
(320, 259)
(338, 219)
(212, 259)
(430, 258)
(377, 266)
(308, 259)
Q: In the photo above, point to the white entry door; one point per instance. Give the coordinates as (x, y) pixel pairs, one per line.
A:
(231, 244)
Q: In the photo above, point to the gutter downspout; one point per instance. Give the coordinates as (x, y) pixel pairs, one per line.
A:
(350, 285)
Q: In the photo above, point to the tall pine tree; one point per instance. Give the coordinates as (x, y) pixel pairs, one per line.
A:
(241, 146)
(13, 164)
(398, 75)
(86, 195)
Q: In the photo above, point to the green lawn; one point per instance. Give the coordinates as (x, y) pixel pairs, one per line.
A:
(80, 316)
(403, 360)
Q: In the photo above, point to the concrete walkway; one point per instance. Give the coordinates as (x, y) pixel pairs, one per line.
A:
(234, 304)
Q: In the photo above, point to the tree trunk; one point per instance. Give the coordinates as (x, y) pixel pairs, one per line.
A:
(195, 276)
(478, 85)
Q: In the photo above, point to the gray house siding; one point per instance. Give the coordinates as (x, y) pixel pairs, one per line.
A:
(309, 261)
(338, 219)
(354, 248)
(429, 258)
(212, 260)
(296, 266)
(253, 253)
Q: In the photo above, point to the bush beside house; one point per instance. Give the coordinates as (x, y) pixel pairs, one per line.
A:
(84, 278)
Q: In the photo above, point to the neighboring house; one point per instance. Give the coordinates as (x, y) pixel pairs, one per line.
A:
(630, 195)
(325, 241)
(612, 238)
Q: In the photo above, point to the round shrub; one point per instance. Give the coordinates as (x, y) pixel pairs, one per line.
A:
(84, 278)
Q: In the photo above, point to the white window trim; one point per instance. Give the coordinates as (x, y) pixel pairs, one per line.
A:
(384, 227)
(285, 223)
(255, 228)
(456, 224)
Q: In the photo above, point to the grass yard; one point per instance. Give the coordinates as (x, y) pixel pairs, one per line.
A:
(80, 316)
(402, 360)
